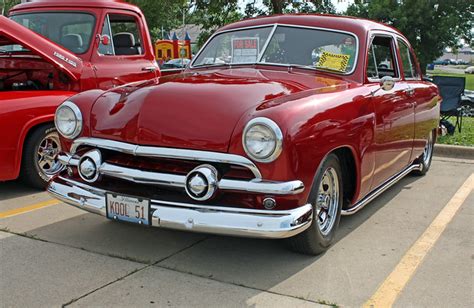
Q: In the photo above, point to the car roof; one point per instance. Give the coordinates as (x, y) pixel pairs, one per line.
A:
(342, 23)
(113, 4)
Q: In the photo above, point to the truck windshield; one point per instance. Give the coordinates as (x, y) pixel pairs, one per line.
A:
(293, 46)
(72, 30)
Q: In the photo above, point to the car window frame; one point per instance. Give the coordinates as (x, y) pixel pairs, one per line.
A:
(140, 31)
(272, 32)
(394, 47)
(412, 53)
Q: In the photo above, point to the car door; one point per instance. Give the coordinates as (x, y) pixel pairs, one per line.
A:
(124, 51)
(426, 107)
(394, 111)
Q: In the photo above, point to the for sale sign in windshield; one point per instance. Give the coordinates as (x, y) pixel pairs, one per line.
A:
(245, 49)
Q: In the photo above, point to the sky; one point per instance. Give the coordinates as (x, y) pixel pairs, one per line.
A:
(341, 5)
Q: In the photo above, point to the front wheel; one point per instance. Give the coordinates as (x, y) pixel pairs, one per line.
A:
(425, 159)
(326, 197)
(39, 162)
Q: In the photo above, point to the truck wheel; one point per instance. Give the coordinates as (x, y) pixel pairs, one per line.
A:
(39, 162)
(326, 197)
(426, 157)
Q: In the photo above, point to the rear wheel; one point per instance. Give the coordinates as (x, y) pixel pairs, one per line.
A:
(425, 159)
(39, 162)
(326, 197)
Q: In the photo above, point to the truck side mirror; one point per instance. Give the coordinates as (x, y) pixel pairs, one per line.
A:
(105, 39)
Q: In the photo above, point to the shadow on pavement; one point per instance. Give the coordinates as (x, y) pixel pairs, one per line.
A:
(269, 258)
(14, 189)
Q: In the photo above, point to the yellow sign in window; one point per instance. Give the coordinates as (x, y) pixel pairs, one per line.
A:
(333, 61)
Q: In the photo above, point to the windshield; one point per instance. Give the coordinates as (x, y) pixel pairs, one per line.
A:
(70, 30)
(288, 45)
(236, 47)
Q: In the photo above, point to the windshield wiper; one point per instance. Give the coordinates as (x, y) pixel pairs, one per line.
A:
(292, 66)
(213, 65)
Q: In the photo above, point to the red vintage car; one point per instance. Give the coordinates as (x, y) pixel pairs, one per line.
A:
(278, 127)
(51, 50)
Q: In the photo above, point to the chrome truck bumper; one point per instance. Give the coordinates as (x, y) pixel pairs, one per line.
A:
(192, 217)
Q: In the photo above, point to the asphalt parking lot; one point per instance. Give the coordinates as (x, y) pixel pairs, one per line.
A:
(412, 246)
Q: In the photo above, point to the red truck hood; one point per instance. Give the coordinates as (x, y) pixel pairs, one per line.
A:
(14, 33)
(196, 110)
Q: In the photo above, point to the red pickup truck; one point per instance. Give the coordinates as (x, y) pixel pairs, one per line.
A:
(51, 50)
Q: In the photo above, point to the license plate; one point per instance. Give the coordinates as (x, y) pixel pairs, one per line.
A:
(127, 208)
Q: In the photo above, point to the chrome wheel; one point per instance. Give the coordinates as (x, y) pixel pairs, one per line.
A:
(428, 152)
(327, 202)
(46, 155)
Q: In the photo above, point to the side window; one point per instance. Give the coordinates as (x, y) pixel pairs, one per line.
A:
(125, 36)
(381, 58)
(408, 61)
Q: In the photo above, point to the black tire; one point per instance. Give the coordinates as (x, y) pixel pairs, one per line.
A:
(425, 159)
(314, 241)
(31, 173)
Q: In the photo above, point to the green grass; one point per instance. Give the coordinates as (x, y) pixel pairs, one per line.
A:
(469, 77)
(466, 137)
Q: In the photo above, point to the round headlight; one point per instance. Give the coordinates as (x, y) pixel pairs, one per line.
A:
(68, 120)
(262, 140)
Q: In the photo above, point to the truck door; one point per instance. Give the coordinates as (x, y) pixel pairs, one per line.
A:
(394, 111)
(124, 52)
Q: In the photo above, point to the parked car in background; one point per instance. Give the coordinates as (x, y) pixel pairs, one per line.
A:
(277, 127)
(469, 70)
(175, 63)
(441, 62)
(49, 51)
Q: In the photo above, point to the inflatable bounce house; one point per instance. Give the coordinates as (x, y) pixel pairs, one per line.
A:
(174, 48)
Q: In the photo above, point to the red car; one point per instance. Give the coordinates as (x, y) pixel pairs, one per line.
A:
(49, 51)
(278, 127)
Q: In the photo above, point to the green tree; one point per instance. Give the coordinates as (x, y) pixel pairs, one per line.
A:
(271, 7)
(429, 25)
(6, 5)
(162, 14)
(212, 14)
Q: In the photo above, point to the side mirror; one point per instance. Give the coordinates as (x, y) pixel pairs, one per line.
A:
(387, 83)
(105, 39)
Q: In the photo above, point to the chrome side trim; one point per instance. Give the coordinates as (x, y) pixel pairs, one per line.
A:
(379, 190)
(160, 152)
(192, 217)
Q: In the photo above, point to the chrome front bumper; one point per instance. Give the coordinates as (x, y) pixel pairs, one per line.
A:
(192, 217)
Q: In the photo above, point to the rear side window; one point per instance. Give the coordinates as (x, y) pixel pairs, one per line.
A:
(125, 36)
(408, 61)
(381, 58)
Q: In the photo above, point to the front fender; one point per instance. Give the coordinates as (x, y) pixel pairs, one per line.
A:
(20, 112)
(314, 126)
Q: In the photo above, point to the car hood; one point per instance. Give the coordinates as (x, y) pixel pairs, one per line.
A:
(195, 110)
(14, 33)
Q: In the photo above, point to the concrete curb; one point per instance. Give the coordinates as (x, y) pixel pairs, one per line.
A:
(454, 151)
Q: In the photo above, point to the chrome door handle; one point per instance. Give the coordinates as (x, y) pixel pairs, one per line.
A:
(410, 91)
(149, 69)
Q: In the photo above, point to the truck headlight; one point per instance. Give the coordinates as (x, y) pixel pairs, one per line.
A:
(68, 120)
(262, 140)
